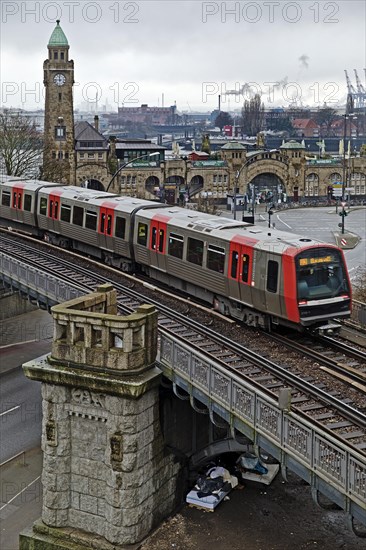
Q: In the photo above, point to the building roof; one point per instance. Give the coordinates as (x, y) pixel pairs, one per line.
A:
(292, 144)
(199, 153)
(58, 37)
(139, 146)
(303, 122)
(232, 145)
(84, 131)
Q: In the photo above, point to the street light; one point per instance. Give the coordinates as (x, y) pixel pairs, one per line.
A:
(270, 213)
(126, 164)
(349, 116)
(236, 185)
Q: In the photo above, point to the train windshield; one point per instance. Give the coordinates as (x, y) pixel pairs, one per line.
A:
(321, 274)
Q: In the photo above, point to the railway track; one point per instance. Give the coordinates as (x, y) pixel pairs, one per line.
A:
(341, 360)
(330, 409)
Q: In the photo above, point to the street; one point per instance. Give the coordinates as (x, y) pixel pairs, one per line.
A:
(321, 223)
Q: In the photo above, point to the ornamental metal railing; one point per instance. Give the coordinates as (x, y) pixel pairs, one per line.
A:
(318, 456)
(322, 460)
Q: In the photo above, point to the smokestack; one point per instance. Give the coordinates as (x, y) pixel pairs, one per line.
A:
(162, 100)
(219, 103)
(96, 123)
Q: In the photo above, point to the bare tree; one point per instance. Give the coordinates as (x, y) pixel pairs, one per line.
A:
(253, 116)
(20, 145)
(223, 119)
(359, 286)
(325, 118)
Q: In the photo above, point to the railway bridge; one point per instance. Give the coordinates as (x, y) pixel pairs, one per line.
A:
(221, 409)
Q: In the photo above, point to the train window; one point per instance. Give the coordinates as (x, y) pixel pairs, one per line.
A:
(50, 209)
(142, 234)
(120, 230)
(195, 251)
(14, 199)
(154, 233)
(43, 206)
(109, 225)
(5, 198)
(161, 240)
(175, 247)
(78, 215)
(245, 268)
(234, 264)
(91, 220)
(320, 274)
(272, 276)
(56, 209)
(27, 202)
(65, 213)
(216, 258)
(102, 223)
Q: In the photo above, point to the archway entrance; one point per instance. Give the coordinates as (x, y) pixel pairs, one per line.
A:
(268, 188)
(152, 186)
(93, 184)
(195, 185)
(172, 183)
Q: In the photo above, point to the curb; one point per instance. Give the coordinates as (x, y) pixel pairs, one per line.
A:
(346, 240)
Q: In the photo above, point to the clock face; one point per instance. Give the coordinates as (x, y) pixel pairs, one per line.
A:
(59, 79)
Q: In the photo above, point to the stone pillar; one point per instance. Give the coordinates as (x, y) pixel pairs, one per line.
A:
(107, 480)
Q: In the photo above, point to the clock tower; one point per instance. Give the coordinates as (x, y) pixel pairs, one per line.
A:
(58, 152)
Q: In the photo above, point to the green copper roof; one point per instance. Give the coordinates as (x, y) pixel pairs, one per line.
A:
(233, 145)
(58, 37)
(292, 144)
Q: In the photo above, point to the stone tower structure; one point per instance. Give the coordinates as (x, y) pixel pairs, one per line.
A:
(58, 70)
(107, 476)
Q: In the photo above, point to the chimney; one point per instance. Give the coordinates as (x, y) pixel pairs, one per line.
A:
(112, 145)
(96, 123)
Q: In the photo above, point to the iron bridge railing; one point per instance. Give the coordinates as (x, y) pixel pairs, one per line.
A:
(327, 464)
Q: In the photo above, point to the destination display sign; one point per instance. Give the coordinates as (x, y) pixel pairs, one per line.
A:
(313, 261)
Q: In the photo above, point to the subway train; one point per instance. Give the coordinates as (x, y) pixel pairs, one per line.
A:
(260, 276)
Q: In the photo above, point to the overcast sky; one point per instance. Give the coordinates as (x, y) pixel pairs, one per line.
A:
(191, 51)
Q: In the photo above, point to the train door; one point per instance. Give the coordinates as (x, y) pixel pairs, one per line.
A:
(272, 284)
(106, 223)
(240, 272)
(158, 230)
(54, 212)
(17, 203)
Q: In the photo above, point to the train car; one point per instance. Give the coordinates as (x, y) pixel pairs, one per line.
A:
(259, 276)
(263, 277)
(19, 202)
(93, 222)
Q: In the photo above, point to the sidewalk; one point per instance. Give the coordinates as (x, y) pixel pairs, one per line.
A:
(23, 338)
(21, 496)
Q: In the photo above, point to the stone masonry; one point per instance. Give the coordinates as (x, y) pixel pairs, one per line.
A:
(107, 479)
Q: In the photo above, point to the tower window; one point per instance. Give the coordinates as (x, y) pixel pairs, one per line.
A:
(60, 96)
(62, 55)
(60, 155)
(60, 132)
(55, 55)
(66, 155)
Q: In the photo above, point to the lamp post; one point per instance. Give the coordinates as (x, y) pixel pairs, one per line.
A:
(270, 213)
(349, 117)
(126, 164)
(236, 184)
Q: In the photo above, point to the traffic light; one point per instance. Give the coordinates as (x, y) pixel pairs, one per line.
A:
(343, 213)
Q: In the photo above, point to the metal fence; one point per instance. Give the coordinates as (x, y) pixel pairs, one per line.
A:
(314, 454)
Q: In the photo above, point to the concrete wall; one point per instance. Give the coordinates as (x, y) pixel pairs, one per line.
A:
(12, 304)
